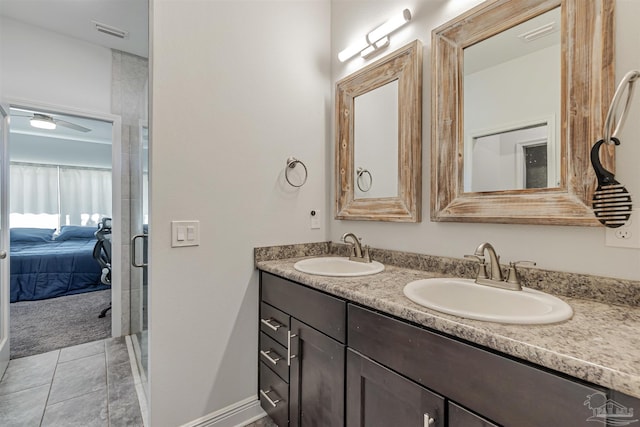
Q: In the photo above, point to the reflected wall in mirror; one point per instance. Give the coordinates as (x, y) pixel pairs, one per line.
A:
(511, 80)
(514, 120)
(379, 139)
(375, 134)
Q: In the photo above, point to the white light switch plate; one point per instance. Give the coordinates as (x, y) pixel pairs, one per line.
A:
(185, 233)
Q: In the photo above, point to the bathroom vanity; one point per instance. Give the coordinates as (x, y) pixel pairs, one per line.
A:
(356, 352)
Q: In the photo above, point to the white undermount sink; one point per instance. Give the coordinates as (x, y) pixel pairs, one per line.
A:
(337, 266)
(465, 298)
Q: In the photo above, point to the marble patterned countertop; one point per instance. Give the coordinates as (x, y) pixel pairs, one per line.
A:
(599, 344)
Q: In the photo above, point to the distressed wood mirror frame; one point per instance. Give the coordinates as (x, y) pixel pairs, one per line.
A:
(405, 66)
(587, 84)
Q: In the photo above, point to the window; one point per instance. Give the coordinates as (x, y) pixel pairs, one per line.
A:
(50, 196)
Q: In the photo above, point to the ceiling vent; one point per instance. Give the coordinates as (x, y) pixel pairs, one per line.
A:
(539, 32)
(112, 31)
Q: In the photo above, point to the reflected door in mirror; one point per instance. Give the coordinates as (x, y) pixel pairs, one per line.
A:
(513, 159)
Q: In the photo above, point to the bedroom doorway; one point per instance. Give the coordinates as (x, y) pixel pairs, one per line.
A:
(63, 182)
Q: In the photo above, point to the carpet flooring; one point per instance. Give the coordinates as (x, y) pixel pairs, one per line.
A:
(41, 326)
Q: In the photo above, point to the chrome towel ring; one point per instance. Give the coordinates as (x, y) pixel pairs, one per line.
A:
(360, 172)
(291, 164)
(610, 132)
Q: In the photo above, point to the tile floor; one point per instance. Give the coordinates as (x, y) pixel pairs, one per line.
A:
(86, 385)
(262, 422)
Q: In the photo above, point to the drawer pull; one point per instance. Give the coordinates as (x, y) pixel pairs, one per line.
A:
(270, 325)
(428, 421)
(289, 355)
(264, 394)
(267, 356)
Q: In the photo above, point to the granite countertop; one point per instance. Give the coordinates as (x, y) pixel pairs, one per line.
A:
(599, 344)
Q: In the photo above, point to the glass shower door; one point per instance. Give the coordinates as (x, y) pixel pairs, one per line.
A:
(139, 258)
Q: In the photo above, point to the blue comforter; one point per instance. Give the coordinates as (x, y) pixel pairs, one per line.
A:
(50, 269)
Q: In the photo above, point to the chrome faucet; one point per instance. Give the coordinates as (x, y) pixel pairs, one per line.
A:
(497, 279)
(496, 270)
(356, 253)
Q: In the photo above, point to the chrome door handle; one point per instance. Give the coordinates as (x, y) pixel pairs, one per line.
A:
(133, 250)
(266, 355)
(270, 325)
(271, 401)
(3, 254)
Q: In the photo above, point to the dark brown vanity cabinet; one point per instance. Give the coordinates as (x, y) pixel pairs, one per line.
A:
(328, 363)
(302, 354)
(502, 390)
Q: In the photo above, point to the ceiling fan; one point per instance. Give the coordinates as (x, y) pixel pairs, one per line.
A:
(46, 121)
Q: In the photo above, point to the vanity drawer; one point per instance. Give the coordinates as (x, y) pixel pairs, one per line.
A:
(274, 394)
(505, 391)
(317, 309)
(274, 323)
(274, 356)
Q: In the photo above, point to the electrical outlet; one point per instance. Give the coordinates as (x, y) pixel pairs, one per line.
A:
(315, 219)
(627, 236)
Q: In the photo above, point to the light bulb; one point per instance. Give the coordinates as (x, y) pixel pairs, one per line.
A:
(42, 123)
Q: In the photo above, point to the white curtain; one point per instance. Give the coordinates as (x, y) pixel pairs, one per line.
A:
(34, 189)
(85, 195)
(80, 196)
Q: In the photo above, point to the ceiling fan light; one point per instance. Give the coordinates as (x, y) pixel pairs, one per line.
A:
(42, 123)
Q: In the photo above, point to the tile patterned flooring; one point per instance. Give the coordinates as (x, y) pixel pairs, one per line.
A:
(262, 422)
(86, 385)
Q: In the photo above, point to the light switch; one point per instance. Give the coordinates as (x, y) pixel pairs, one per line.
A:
(185, 233)
(180, 236)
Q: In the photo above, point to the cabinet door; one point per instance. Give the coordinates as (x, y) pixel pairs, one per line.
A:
(316, 394)
(378, 397)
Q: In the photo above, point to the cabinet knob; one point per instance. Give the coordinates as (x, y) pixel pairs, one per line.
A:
(428, 421)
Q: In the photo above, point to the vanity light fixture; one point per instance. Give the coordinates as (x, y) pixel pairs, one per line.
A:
(41, 121)
(376, 39)
(369, 50)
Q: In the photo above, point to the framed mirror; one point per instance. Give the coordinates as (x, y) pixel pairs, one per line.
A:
(520, 90)
(379, 139)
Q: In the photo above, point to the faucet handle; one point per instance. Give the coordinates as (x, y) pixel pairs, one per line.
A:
(482, 270)
(512, 276)
(365, 254)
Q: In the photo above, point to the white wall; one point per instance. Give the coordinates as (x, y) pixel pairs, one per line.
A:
(237, 87)
(573, 249)
(50, 68)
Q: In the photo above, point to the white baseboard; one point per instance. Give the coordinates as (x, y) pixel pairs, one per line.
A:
(237, 415)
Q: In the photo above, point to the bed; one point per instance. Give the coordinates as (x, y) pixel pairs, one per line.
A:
(47, 266)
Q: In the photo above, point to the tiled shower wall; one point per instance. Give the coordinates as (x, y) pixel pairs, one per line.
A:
(129, 90)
